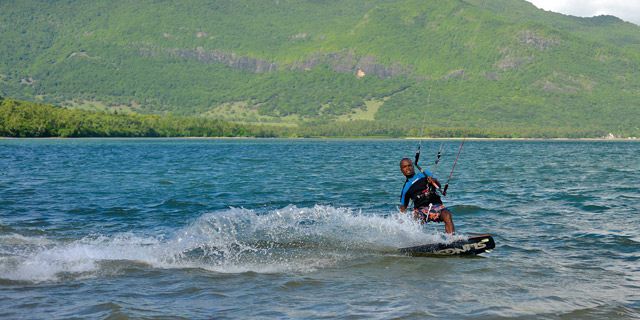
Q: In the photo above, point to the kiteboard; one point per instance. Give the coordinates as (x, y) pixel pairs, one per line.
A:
(472, 246)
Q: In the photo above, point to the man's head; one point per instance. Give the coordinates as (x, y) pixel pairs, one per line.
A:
(406, 166)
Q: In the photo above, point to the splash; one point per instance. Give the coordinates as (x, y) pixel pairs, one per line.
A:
(236, 240)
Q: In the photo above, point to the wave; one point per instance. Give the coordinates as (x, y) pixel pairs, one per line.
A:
(467, 209)
(235, 240)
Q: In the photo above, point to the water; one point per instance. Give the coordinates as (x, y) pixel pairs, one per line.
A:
(140, 228)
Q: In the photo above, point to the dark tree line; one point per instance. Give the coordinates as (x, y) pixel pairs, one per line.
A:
(28, 119)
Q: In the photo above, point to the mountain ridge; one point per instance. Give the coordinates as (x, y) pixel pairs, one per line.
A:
(502, 65)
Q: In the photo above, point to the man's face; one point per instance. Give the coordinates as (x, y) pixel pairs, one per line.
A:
(406, 166)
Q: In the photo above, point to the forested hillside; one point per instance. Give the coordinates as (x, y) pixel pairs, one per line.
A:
(502, 67)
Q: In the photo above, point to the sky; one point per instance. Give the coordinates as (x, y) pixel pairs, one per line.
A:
(628, 10)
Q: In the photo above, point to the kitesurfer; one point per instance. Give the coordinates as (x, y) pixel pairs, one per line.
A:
(421, 188)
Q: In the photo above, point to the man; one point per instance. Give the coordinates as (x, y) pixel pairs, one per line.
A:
(421, 188)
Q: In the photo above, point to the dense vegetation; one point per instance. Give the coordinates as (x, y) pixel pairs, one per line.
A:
(493, 68)
(26, 119)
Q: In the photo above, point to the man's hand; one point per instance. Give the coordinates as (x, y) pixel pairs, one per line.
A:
(434, 182)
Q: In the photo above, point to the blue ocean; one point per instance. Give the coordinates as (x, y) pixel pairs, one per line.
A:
(307, 229)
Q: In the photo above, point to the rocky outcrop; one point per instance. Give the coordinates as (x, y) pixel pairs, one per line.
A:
(537, 41)
(492, 76)
(341, 62)
(299, 36)
(369, 65)
(511, 59)
(455, 74)
(348, 62)
(565, 84)
(27, 81)
(307, 64)
(216, 56)
(344, 62)
(552, 87)
(511, 62)
(81, 54)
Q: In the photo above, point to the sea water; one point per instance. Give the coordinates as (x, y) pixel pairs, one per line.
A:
(189, 228)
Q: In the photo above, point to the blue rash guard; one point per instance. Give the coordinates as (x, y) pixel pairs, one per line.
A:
(420, 191)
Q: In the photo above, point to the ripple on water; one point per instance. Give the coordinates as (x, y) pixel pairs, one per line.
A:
(595, 208)
(462, 209)
(101, 310)
(301, 284)
(602, 311)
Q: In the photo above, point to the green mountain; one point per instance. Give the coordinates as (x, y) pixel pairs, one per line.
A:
(502, 67)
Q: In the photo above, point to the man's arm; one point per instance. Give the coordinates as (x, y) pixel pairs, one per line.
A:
(404, 200)
(433, 181)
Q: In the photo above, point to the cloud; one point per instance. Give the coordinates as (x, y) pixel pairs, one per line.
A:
(628, 10)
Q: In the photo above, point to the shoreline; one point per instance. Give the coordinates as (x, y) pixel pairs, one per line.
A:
(530, 139)
(630, 139)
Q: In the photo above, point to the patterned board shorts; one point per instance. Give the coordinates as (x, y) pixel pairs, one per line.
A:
(425, 214)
